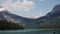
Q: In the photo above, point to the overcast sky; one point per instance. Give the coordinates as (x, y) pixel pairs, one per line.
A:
(29, 8)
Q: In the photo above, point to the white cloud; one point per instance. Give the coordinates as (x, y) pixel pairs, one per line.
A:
(18, 5)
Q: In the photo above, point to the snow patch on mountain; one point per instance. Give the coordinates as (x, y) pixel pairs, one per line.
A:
(2, 9)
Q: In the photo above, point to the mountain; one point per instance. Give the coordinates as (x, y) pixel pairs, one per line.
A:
(54, 13)
(50, 20)
(1, 16)
(6, 15)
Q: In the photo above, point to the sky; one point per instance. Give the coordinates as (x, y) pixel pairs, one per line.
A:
(29, 8)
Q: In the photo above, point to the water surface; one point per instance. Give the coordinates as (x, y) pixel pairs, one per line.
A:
(31, 31)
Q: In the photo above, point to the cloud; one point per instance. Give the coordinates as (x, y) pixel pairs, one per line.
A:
(18, 5)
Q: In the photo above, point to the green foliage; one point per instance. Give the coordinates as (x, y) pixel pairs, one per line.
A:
(4, 25)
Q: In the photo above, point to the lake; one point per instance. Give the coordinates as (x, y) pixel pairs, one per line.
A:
(31, 31)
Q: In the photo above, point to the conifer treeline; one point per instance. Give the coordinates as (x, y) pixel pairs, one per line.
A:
(4, 25)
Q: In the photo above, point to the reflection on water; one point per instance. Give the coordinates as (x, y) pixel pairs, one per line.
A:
(31, 31)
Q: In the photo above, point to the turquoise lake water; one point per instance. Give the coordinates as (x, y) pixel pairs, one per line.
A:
(31, 31)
